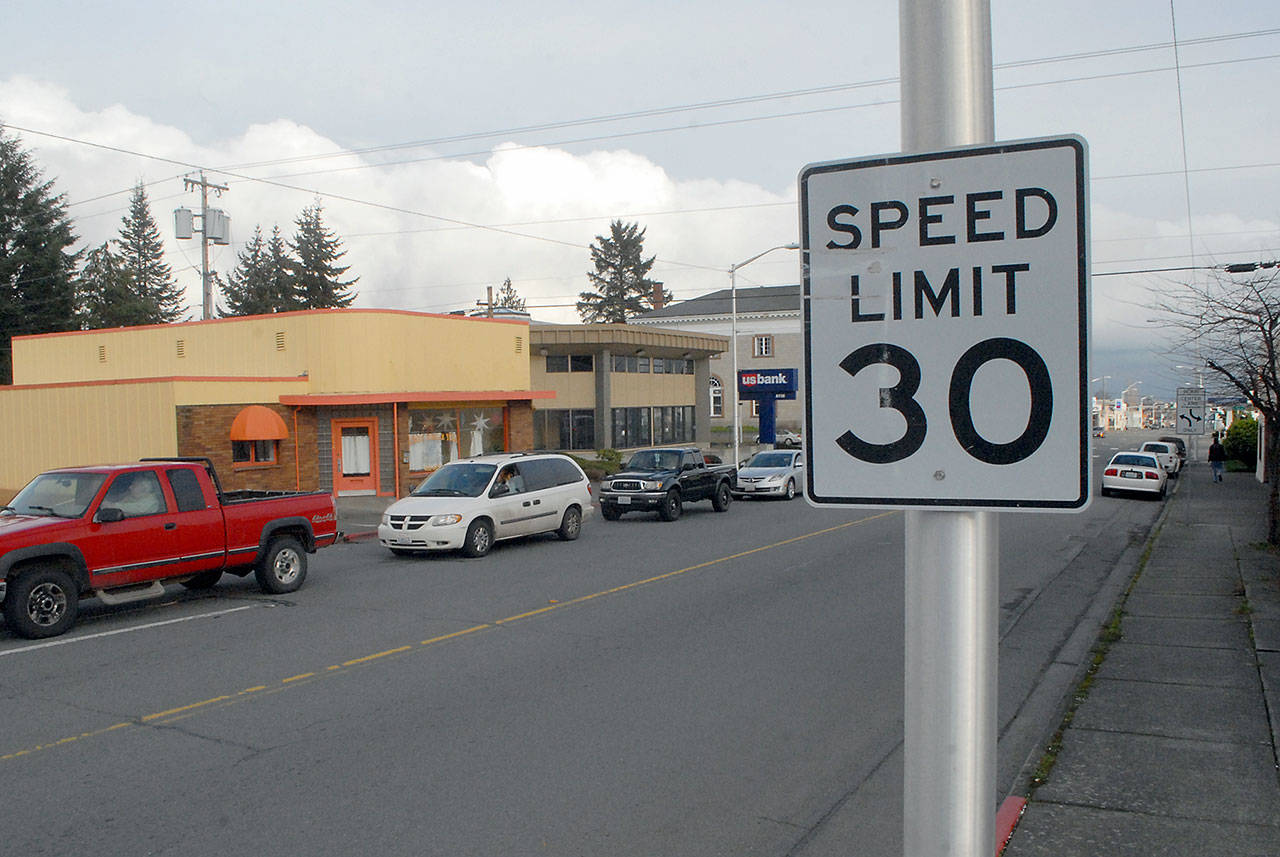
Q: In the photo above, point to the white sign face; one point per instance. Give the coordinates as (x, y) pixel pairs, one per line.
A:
(946, 328)
(1190, 417)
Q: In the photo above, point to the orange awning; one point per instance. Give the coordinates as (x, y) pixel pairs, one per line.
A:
(257, 422)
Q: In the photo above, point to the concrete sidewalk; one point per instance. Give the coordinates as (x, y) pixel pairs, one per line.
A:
(1173, 750)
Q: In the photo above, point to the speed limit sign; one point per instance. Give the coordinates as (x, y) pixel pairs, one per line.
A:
(946, 328)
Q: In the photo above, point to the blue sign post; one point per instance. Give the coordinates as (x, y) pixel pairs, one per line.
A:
(766, 386)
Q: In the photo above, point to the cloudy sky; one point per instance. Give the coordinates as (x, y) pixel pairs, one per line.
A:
(456, 145)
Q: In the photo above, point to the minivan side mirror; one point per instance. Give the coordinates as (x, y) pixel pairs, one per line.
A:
(502, 489)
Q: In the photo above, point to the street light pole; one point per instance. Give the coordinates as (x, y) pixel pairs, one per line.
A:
(733, 335)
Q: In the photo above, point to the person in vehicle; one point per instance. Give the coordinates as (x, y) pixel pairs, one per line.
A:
(135, 495)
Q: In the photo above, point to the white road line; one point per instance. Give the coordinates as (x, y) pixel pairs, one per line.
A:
(67, 641)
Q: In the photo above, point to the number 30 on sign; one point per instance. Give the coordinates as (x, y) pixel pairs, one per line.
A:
(945, 320)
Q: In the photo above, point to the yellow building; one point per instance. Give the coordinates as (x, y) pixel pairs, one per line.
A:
(354, 401)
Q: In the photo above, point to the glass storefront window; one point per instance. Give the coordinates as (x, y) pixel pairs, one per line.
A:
(440, 435)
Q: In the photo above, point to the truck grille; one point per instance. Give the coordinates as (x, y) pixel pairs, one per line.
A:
(626, 485)
(405, 523)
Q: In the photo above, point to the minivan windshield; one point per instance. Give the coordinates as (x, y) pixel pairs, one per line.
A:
(463, 479)
(62, 495)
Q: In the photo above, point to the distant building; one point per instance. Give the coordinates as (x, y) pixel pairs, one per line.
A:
(770, 336)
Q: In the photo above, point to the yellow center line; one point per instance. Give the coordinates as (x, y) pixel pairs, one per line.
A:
(159, 714)
(582, 599)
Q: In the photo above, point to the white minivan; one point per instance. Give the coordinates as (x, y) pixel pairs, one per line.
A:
(471, 503)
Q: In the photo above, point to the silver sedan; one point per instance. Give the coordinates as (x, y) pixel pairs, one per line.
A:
(773, 473)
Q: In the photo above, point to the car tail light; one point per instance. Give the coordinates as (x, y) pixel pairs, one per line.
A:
(590, 493)
(1151, 474)
(1111, 471)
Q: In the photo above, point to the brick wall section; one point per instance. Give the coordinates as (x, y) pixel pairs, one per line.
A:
(205, 430)
(520, 426)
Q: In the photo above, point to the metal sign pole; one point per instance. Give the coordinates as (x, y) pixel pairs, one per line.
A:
(952, 567)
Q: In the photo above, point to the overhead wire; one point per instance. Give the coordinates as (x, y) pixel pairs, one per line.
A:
(456, 223)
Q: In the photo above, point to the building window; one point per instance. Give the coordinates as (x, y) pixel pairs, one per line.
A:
(762, 346)
(717, 397)
(570, 363)
(253, 451)
(439, 435)
(631, 428)
(673, 424)
(256, 433)
(564, 429)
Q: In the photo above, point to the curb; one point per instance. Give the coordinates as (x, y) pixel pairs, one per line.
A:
(361, 536)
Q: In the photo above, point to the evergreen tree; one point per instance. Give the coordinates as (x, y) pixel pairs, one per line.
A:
(283, 292)
(259, 284)
(142, 255)
(313, 268)
(37, 269)
(621, 278)
(508, 298)
(105, 295)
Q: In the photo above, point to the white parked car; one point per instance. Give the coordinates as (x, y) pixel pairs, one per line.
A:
(785, 439)
(775, 473)
(1166, 453)
(471, 503)
(1134, 471)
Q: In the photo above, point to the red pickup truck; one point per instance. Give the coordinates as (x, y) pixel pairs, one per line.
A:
(119, 532)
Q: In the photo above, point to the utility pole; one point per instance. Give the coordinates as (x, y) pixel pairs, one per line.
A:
(214, 226)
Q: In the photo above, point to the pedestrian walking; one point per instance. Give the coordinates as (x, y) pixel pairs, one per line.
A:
(1217, 458)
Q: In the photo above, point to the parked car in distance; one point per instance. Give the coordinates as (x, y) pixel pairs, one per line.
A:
(785, 440)
(775, 473)
(1134, 471)
(471, 503)
(1099, 431)
(121, 532)
(1166, 453)
(1179, 444)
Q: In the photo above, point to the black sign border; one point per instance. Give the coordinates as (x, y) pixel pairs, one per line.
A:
(1082, 276)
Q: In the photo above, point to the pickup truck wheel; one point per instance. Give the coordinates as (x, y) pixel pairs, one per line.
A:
(203, 580)
(42, 603)
(479, 538)
(570, 525)
(671, 506)
(722, 498)
(283, 567)
(610, 512)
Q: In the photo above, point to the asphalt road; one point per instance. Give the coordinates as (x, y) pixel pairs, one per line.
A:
(724, 684)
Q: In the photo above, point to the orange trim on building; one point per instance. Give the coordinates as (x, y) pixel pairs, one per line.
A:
(233, 319)
(427, 396)
(113, 382)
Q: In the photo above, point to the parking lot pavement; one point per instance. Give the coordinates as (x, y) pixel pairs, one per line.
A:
(1174, 749)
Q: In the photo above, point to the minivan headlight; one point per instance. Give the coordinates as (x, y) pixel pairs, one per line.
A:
(444, 520)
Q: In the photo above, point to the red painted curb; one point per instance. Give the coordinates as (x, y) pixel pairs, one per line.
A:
(1007, 819)
(360, 536)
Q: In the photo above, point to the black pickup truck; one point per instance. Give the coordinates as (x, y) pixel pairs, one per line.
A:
(664, 479)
